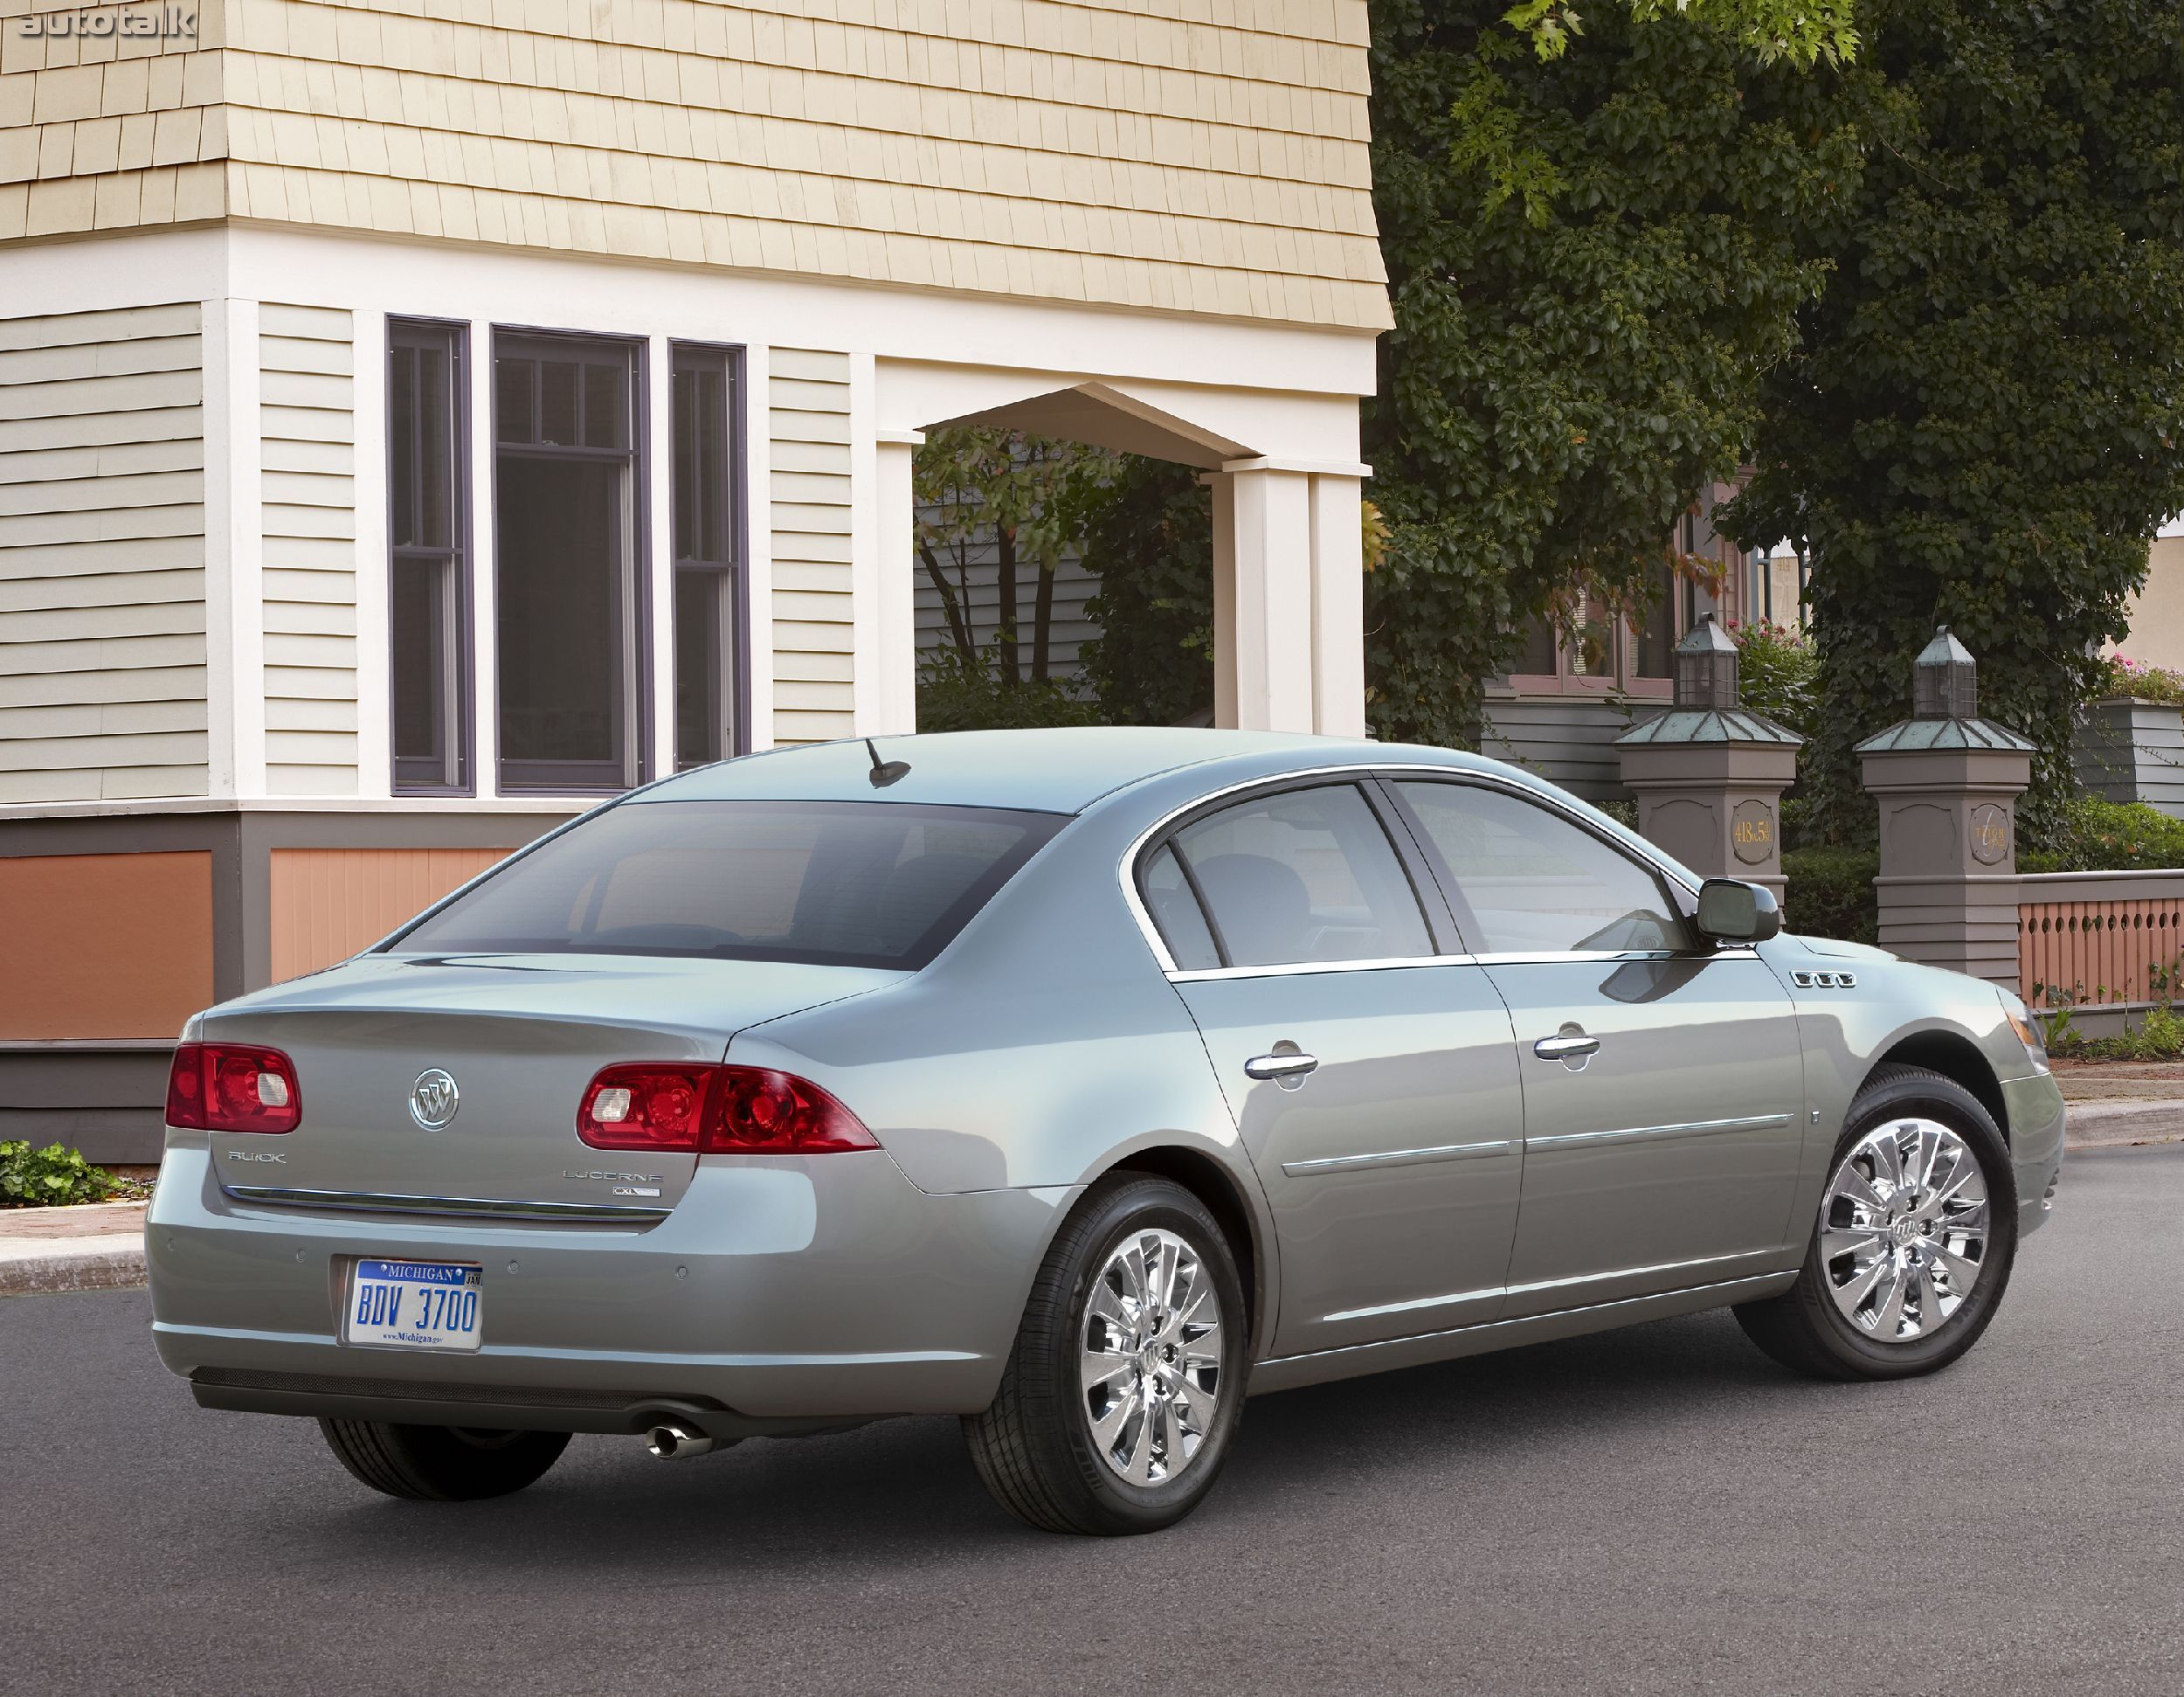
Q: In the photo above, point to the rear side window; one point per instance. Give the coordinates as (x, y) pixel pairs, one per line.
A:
(1303, 877)
(1537, 884)
(851, 883)
(1176, 911)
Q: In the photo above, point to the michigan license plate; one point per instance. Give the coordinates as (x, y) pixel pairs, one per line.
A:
(413, 1304)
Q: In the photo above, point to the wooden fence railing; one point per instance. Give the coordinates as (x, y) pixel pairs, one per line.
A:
(2100, 938)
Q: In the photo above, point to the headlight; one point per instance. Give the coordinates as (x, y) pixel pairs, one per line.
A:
(2020, 1021)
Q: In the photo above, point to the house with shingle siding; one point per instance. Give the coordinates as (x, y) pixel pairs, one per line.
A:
(419, 421)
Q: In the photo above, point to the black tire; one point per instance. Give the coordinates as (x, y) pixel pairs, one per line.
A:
(1034, 1446)
(1804, 1329)
(441, 1464)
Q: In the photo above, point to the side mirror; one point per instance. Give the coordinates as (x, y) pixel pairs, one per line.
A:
(1731, 910)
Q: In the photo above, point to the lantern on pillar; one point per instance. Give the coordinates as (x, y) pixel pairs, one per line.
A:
(1945, 680)
(1706, 669)
(1709, 775)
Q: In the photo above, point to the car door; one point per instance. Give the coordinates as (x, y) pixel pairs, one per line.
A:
(1663, 1079)
(1374, 1083)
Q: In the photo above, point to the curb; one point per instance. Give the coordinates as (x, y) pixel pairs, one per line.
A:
(2111, 1124)
(81, 1264)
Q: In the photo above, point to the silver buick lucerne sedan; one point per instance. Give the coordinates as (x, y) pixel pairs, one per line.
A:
(1077, 1083)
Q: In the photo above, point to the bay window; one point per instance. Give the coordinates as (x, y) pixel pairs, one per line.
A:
(428, 535)
(708, 547)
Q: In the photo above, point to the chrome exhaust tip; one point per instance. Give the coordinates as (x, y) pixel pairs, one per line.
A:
(670, 1442)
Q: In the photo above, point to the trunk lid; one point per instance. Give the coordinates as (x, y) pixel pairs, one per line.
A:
(521, 1036)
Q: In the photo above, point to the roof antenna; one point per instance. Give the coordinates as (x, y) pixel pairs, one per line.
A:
(885, 773)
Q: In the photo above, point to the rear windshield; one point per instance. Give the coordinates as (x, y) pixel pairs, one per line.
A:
(848, 884)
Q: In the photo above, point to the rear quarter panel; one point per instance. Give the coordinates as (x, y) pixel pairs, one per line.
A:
(1043, 1047)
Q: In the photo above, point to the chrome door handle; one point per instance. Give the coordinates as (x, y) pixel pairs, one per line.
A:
(1565, 1047)
(1284, 1065)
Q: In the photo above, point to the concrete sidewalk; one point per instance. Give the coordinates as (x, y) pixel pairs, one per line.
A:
(99, 1247)
(2112, 1103)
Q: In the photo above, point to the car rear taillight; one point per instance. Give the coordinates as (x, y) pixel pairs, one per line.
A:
(716, 1110)
(233, 1087)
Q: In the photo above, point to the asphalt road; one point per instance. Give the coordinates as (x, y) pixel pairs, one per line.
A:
(1653, 1510)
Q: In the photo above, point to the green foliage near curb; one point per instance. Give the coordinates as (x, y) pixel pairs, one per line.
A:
(2094, 836)
(1777, 673)
(51, 1177)
(1831, 893)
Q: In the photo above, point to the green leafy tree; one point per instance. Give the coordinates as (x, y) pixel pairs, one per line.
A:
(1009, 491)
(1981, 426)
(1593, 260)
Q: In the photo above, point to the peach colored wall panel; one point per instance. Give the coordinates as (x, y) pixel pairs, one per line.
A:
(329, 903)
(104, 946)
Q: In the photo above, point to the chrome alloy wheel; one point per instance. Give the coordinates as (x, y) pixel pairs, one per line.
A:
(1903, 1230)
(1151, 1359)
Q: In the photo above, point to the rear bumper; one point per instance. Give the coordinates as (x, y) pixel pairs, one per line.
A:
(780, 1293)
(2036, 1111)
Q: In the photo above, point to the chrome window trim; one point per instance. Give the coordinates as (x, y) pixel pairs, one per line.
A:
(1358, 772)
(1644, 1133)
(1305, 1170)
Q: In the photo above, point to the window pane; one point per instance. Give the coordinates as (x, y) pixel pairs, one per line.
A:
(559, 573)
(1655, 642)
(712, 465)
(683, 464)
(512, 384)
(1175, 911)
(1304, 875)
(558, 403)
(1537, 884)
(605, 405)
(436, 463)
(852, 883)
(418, 606)
(1536, 658)
(402, 445)
(701, 679)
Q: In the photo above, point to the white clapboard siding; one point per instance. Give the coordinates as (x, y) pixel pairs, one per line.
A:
(1069, 629)
(102, 645)
(308, 495)
(807, 411)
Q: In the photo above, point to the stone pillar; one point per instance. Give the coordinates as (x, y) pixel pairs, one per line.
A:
(1708, 776)
(1947, 782)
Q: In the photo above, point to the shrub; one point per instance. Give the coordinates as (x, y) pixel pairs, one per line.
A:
(1778, 673)
(2119, 676)
(2095, 836)
(958, 693)
(49, 1177)
(1831, 893)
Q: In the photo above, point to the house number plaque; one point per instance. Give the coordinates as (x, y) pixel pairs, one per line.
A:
(1990, 833)
(1751, 833)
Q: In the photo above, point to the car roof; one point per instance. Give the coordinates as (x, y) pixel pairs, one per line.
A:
(1062, 770)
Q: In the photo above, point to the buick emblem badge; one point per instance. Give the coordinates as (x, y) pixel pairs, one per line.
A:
(434, 1098)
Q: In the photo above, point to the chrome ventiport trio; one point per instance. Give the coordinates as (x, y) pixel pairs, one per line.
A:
(1076, 1082)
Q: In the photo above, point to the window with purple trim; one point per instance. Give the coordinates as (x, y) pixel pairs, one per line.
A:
(707, 556)
(428, 534)
(568, 596)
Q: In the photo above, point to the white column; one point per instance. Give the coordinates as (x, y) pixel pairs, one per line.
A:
(1272, 617)
(1338, 607)
(894, 697)
(757, 621)
(234, 552)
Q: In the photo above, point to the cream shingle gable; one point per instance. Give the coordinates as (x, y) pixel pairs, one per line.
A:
(1202, 155)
